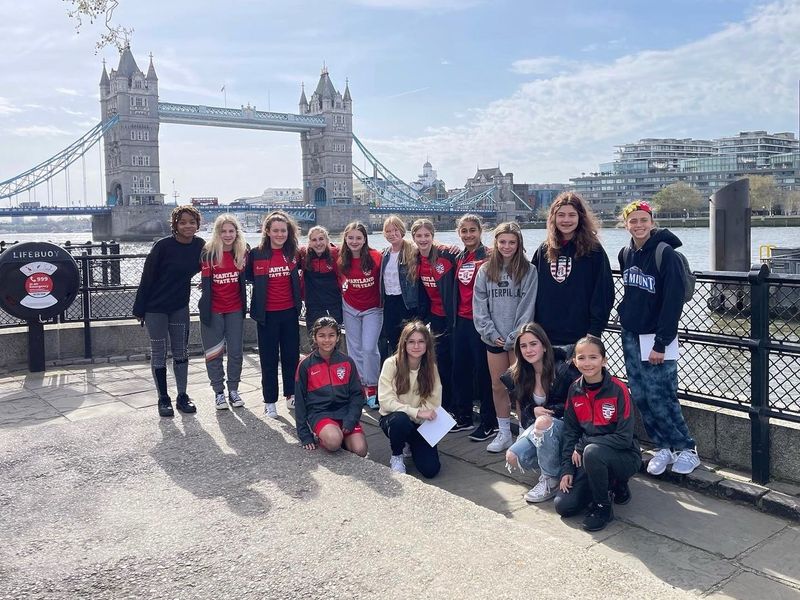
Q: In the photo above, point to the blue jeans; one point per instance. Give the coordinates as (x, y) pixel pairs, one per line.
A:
(547, 455)
(654, 389)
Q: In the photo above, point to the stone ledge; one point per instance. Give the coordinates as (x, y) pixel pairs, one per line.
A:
(781, 505)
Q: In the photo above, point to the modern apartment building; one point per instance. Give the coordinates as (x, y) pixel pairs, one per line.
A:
(645, 167)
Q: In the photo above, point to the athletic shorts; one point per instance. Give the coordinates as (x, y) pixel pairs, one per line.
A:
(338, 422)
(494, 349)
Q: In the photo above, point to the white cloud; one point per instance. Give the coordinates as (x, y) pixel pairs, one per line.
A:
(67, 91)
(6, 108)
(541, 65)
(431, 5)
(552, 128)
(39, 131)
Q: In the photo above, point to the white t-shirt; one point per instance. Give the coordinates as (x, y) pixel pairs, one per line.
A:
(391, 276)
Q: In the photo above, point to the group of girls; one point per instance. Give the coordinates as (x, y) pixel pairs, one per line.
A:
(497, 327)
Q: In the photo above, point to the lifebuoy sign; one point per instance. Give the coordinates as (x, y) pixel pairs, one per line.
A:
(38, 280)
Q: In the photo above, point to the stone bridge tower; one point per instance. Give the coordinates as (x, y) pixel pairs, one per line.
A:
(131, 148)
(328, 153)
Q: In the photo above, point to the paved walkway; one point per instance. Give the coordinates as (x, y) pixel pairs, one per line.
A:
(218, 504)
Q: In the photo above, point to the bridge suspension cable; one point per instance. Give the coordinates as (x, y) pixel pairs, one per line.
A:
(54, 165)
(391, 191)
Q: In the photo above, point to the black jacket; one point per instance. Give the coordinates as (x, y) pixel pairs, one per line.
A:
(410, 289)
(653, 298)
(565, 375)
(605, 417)
(575, 296)
(257, 272)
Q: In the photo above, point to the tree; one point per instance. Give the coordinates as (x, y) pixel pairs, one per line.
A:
(791, 203)
(679, 198)
(764, 193)
(115, 35)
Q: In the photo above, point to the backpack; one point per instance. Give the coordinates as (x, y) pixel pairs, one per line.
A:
(689, 278)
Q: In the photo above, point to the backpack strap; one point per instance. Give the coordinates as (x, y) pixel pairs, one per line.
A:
(625, 253)
(662, 246)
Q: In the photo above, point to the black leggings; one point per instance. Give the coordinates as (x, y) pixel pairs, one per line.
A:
(471, 377)
(395, 316)
(401, 430)
(278, 336)
(444, 359)
(601, 465)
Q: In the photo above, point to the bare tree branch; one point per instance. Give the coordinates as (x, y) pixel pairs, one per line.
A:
(93, 10)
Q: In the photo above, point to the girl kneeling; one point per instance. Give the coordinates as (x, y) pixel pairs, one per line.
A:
(600, 452)
(410, 391)
(328, 394)
(531, 383)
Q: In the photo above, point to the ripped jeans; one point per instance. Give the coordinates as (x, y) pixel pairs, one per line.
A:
(543, 451)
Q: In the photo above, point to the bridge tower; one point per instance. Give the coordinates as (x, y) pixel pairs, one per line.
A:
(131, 148)
(328, 153)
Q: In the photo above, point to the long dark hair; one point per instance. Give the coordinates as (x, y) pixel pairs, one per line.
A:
(346, 255)
(586, 233)
(290, 246)
(522, 372)
(426, 377)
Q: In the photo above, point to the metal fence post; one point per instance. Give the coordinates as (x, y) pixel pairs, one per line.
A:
(86, 305)
(116, 278)
(759, 374)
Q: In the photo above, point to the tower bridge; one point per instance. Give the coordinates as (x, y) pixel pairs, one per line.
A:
(133, 205)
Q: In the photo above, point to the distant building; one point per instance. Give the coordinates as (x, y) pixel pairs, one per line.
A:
(651, 164)
(428, 184)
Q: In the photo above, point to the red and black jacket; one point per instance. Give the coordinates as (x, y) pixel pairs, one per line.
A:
(326, 389)
(481, 256)
(603, 416)
(444, 270)
(257, 271)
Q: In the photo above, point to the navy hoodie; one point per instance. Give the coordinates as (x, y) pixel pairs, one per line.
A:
(575, 295)
(653, 298)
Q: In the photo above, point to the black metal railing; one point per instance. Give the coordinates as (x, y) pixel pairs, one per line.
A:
(739, 335)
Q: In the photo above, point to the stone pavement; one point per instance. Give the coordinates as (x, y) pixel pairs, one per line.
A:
(219, 504)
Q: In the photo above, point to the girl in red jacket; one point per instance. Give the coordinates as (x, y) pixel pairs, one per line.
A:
(328, 394)
(599, 449)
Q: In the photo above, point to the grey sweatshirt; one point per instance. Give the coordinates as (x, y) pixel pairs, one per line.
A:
(500, 309)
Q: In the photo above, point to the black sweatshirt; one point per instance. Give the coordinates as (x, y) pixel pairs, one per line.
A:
(167, 275)
(653, 299)
(575, 296)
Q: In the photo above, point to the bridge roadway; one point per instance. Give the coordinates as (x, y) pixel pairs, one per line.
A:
(102, 499)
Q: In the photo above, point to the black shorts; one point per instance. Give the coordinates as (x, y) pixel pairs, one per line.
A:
(494, 349)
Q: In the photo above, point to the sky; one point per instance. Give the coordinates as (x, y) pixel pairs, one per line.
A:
(542, 89)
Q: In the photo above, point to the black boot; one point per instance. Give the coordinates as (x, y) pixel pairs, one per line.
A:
(185, 404)
(621, 492)
(165, 406)
(600, 514)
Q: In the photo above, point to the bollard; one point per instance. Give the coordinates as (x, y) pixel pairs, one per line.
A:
(729, 241)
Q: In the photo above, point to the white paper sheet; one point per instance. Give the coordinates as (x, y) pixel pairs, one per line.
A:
(646, 341)
(434, 431)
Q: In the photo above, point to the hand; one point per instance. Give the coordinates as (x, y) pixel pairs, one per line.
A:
(566, 484)
(426, 415)
(346, 430)
(500, 342)
(311, 446)
(512, 459)
(141, 321)
(577, 459)
(656, 358)
(541, 411)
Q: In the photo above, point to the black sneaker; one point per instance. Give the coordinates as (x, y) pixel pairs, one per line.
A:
(184, 404)
(483, 433)
(462, 424)
(599, 516)
(621, 493)
(165, 406)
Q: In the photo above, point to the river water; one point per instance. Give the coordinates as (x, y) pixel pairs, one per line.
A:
(695, 241)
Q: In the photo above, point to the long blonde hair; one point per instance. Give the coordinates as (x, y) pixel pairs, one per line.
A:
(408, 252)
(212, 251)
(518, 266)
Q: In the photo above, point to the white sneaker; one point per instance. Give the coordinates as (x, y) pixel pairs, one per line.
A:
(543, 491)
(398, 464)
(290, 402)
(502, 442)
(271, 410)
(235, 399)
(219, 401)
(686, 462)
(658, 464)
(407, 450)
